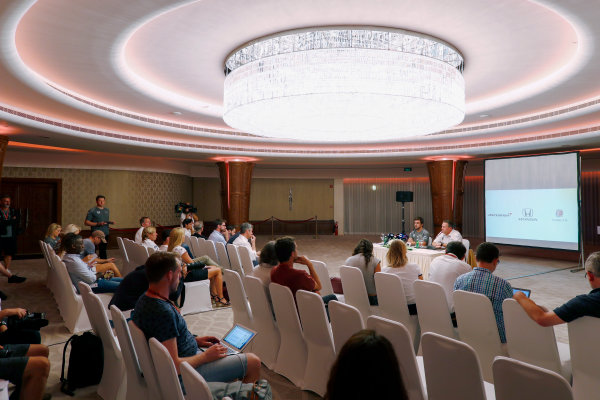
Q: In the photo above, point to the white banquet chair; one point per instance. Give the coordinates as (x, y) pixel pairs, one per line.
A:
(433, 309)
(223, 257)
(355, 292)
(292, 356)
(345, 322)
(245, 259)
(234, 259)
(323, 273)
(242, 314)
(165, 371)
(196, 387)
(266, 344)
(211, 251)
(585, 357)
(142, 350)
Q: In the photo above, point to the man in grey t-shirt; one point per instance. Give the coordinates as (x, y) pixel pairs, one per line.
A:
(419, 234)
(98, 220)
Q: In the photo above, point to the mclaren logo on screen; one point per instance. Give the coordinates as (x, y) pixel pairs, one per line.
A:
(527, 215)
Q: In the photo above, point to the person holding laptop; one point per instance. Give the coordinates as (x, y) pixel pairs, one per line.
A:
(158, 317)
(579, 306)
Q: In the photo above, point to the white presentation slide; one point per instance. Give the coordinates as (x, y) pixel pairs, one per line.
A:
(533, 201)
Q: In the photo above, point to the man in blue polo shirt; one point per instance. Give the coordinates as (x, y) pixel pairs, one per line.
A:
(579, 306)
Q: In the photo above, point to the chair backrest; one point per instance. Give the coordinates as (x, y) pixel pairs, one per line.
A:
(451, 369)
(433, 309)
(321, 270)
(516, 380)
(199, 247)
(234, 259)
(138, 254)
(123, 250)
(345, 322)
(194, 247)
(211, 251)
(196, 387)
(150, 251)
(291, 360)
(355, 291)
(140, 344)
(136, 384)
(585, 356)
(401, 340)
(187, 240)
(391, 298)
(98, 318)
(527, 341)
(477, 327)
(165, 370)
(44, 248)
(317, 333)
(237, 296)
(223, 257)
(266, 344)
(245, 259)
(467, 244)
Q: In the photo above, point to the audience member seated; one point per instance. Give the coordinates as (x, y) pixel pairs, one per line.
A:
(579, 306)
(165, 236)
(149, 236)
(53, 236)
(248, 240)
(220, 233)
(71, 228)
(481, 280)
(408, 272)
(285, 274)
(445, 269)
(80, 271)
(198, 228)
(89, 254)
(268, 259)
(363, 259)
(12, 278)
(196, 269)
(188, 226)
(366, 368)
(447, 234)
(26, 366)
(233, 235)
(158, 317)
(144, 223)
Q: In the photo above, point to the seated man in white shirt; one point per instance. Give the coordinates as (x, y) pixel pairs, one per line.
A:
(248, 240)
(445, 269)
(447, 235)
(144, 222)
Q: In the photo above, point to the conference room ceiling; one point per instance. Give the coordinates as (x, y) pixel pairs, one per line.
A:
(146, 77)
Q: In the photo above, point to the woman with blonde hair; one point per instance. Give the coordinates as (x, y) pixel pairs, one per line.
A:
(53, 236)
(195, 269)
(149, 236)
(408, 272)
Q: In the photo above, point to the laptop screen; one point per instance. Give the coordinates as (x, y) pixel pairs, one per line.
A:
(238, 337)
(527, 292)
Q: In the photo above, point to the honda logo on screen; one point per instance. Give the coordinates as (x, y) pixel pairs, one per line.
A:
(528, 212)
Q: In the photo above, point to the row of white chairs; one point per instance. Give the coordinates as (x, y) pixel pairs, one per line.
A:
(69, 302)
(148, 369)
(197, 294)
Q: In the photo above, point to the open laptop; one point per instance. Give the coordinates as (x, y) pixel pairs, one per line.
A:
(527, 292)
(237, 339)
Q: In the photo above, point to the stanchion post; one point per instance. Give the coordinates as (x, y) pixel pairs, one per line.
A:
(316, 228)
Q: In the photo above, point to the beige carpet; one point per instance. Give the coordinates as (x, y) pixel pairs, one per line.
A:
(550, 290)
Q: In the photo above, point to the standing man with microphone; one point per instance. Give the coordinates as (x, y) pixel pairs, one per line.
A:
(98, 220)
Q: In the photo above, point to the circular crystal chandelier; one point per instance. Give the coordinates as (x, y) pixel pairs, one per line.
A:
(344, 84)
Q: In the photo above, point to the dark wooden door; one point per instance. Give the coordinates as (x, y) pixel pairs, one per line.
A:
(39, 201)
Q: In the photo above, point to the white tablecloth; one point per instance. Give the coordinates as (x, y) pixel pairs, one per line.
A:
(421, 257)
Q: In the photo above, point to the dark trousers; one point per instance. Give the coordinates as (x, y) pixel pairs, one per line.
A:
(102, 249)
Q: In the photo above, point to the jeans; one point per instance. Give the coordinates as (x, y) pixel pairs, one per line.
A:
(107, 285)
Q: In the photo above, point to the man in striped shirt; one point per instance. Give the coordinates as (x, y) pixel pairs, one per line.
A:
(481, 280)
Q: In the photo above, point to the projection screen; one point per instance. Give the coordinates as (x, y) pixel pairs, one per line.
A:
(533, 201)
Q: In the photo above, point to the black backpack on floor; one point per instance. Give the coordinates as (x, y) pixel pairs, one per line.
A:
(86, 362)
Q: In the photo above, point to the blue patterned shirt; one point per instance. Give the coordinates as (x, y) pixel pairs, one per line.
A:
(482, 281)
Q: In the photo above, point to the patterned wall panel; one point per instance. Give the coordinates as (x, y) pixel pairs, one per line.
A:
(129, 194)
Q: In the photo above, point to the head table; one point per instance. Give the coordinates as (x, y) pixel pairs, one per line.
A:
(421, 257)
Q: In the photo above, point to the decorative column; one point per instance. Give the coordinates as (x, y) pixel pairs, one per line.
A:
(236, 177)
(3, 146)
(447, 180)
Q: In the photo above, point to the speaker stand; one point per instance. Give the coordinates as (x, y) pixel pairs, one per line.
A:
(403, 227)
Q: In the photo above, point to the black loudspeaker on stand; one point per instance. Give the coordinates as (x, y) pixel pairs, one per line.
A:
(404, 197)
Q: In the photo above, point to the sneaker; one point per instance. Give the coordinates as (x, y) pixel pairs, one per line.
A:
(3, 296)
(16, 279)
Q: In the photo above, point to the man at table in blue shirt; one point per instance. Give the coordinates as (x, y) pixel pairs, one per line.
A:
(419, 234)
(579, 306)
(481, 280)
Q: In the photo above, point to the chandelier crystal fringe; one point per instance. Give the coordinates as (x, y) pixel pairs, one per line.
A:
(344, 85)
